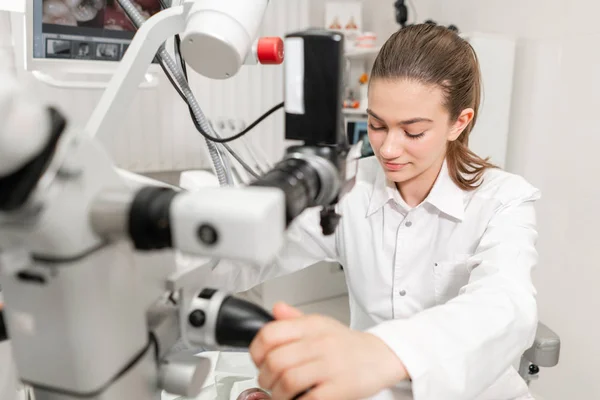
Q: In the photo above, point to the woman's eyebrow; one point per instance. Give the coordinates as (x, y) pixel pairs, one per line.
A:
(411, 121)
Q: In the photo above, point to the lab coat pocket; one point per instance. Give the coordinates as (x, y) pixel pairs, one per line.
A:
(450, 276)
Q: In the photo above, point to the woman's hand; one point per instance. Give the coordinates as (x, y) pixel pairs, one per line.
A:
(297, 352)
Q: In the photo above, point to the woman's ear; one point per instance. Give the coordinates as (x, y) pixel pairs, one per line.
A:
(463, 120)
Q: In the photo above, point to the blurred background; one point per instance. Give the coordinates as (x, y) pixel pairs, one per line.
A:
(540, 118)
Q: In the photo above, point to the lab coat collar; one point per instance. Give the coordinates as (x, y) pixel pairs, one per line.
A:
(445, 195)
(383, 192)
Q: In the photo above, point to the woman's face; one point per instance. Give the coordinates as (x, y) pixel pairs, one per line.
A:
(409, 127)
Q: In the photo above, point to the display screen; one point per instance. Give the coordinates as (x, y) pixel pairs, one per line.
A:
(357, 130)
(84, 29)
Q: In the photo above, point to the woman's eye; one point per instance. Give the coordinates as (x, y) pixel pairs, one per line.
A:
(415, 136)
(376, 128)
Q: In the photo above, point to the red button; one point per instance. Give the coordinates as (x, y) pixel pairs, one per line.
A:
(270, 50)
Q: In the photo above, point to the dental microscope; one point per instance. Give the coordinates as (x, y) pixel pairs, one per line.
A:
(87, 258)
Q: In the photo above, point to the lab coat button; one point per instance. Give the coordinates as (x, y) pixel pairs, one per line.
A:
(408, 224)
(402, 293)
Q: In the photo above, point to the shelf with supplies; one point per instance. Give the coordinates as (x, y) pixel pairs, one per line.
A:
(354, 111)
(362, 52)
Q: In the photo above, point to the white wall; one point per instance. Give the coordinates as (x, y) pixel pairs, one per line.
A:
(554, 142)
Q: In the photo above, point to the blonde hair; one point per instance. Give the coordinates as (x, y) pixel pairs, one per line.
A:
(435, 55)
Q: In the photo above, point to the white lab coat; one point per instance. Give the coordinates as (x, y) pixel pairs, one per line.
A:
(447, 284)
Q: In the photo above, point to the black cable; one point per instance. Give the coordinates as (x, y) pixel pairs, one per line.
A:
(181, 63)
(242, 162)
(245, 131)
(3, 330)
(228, 148)
(156, 344)
(171, 79)
(206, 135)
(179, 57)
(197, 123)
(198, 127)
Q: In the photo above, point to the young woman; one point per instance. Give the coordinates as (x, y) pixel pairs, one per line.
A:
(436, 243)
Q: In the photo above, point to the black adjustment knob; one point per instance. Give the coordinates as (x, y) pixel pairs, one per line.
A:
(207, 294)
(329, 220)
(207, 234)
(533, 369)
(197, 318)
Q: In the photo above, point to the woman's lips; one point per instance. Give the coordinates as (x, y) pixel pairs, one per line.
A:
(394, 166)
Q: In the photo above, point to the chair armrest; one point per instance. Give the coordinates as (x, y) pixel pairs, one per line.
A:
(545, 350)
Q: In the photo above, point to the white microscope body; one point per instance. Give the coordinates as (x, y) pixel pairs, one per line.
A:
(83, 306)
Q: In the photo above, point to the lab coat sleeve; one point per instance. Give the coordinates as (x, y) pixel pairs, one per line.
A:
(304, 245)
(458, 349)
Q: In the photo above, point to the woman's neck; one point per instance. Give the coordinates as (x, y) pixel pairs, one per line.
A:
(415, 190)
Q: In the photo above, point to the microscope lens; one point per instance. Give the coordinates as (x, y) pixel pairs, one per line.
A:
(254, 394)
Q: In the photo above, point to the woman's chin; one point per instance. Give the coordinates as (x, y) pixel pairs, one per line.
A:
(400, 176)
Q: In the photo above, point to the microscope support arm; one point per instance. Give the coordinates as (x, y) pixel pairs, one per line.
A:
(149, 37)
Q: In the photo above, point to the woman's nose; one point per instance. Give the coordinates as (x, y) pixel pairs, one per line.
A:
(392, 146)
